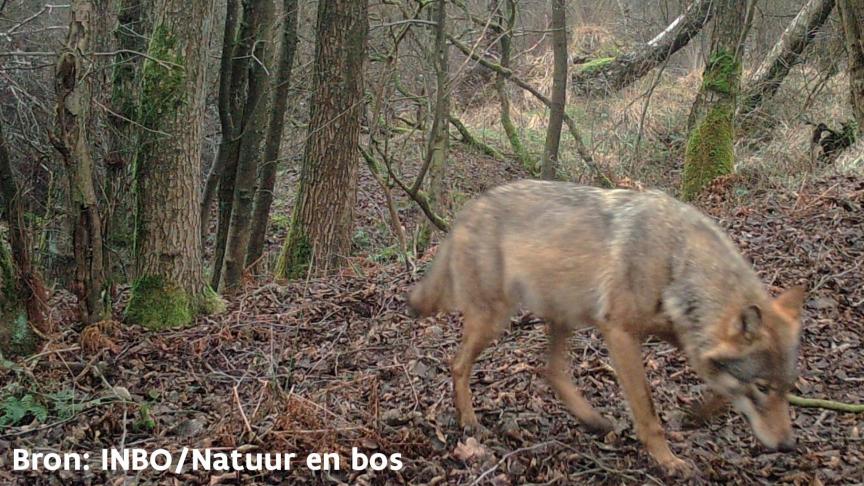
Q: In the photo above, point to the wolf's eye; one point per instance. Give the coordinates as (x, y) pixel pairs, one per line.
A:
(762, 387)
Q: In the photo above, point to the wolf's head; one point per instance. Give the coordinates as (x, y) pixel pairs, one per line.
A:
(753, 364)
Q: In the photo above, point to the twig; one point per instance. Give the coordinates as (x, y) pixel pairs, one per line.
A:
(242, 413)
(508, 456)
(825, 404)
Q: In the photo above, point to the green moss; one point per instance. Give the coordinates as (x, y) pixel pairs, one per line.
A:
(722, 73)
(595, 64)
(296, 255)
(157, 304)
(163, 79)
(210, 303)
(16, 336)
(710, 151)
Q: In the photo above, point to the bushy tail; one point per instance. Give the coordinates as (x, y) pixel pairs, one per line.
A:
(432, 294)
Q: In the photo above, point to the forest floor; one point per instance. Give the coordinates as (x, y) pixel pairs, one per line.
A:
(324, 365)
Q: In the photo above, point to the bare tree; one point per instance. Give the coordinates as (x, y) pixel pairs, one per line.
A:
(766, 80)
(320, 234)
(260, 19)
(22, 293)
(278, 106)
(169, 288)
(549, 166)
(74, 89)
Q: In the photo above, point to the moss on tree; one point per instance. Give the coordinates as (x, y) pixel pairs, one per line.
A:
(157, 304)
(163, 79)
(722, 73)
(595, 65)
(710, 151)
(296, 256)
(16, 336)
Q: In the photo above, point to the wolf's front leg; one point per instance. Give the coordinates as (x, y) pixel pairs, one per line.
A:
(626, 354)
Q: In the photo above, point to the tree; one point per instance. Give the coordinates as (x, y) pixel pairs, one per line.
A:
(549, 166)
(233, 75)
(852, 15)
(74, 89)
(278, 106)
(260, 21)
(169, 288)
(320, 235)
(506, 12)
(766, 80)
(709, 152)
(438, 144)
(22, 293)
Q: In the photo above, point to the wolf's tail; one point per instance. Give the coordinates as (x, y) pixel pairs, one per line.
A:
(432, 294)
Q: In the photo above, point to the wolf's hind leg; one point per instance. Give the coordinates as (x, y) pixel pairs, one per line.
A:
(558, 376)
(480, 329)
(626, 353)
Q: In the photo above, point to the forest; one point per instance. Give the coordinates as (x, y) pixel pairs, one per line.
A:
(214, 213)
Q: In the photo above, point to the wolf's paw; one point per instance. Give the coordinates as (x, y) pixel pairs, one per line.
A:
(477, 431)
(677, 468)
(599, 425)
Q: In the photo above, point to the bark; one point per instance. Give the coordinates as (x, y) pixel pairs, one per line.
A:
(74, 85)
(275, 127)
(710, 152)
(549, 165)
(320, 234)
(22, 293)
(261, 21)
(226, 107)
(507, 18)
(607, 75)
(438, 146)
(129, 36)
(169, 288)
(852, 16)
(224, 169)
(765, 82)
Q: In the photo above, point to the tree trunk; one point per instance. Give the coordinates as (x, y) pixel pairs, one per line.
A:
(320, 234)
(22, 293)
(261, 21)
(169, 288)
(227, 105)
(131, 31)
(273, 142)
(224, 170)
(710, 152)
(74, 91)
(438, 146)
(765, 82)
(852, 15)
(607, 75)
(507, 13)
(549, 166)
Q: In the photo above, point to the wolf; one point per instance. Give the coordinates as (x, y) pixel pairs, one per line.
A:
(631, 264)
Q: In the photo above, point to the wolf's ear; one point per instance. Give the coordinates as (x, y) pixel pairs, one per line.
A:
(792, 301)
(751, 320)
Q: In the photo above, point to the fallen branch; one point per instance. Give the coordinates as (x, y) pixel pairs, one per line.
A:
(825, 404)
(471, 140)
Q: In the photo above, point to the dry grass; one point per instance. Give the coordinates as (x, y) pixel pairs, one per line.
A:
(640, 132)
